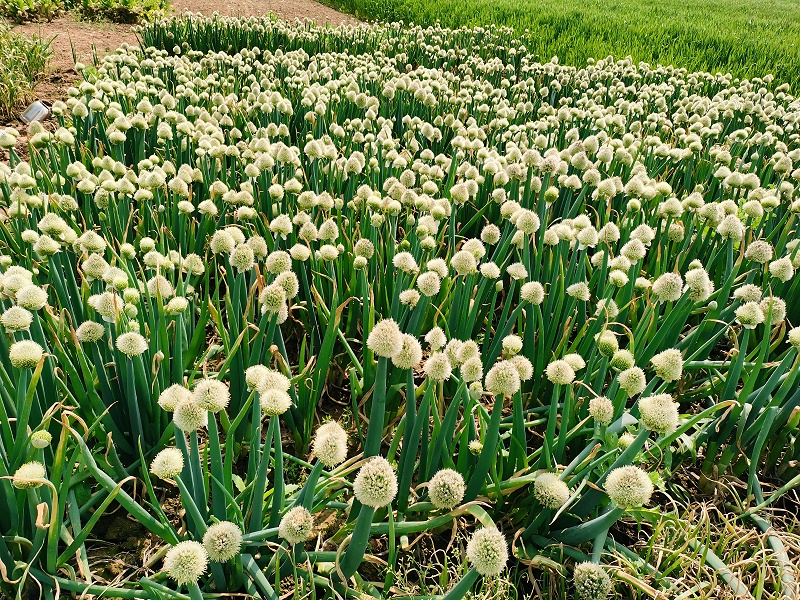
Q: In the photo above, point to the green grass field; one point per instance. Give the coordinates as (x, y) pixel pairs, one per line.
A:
(748, 38)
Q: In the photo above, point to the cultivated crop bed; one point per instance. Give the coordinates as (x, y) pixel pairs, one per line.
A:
(342, 294)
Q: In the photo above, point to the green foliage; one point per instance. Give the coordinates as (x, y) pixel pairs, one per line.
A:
(747, 38)
(31, 10)
(23, 63)
(122, 11)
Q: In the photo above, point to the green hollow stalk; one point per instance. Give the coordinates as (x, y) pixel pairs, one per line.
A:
(411, 441)
(372, 445)
(358, 542)
(464, 586)
(488, 453)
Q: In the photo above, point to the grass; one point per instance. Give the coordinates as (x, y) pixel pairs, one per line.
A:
(23, 63)
(747, 38)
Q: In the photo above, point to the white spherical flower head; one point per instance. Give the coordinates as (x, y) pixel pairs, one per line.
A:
(410, 354)
(446, 489)
(272, 298)
(668, 287)
(289, 282)
(269, 379)
(274, 402)
(580, 291)
(385, 339)
(253, 376)
(25, 354)
(438, 367)
(22, 479)
(186, 562)
(404, 261)
(601, 409)
(436, 338)
(364, 248)
(222, 541)
(524, 367)
(490, 234)
(622, 359)
(503, 378)
(550, 491)
(31, 297)
(532, 292)
(794, 337)
(629, 486)
(131, 344)
(759, 252)
(16, 319)
(774, 307)
(278, 262)
(517, 271)
(749, 315)
(330, 444)
(490, 270)
(591, 582)
(89, 332)
(453, 352)
(176, 305)
(472, 369)
(607, 343)
(668, 364)
(625, 440)
(41, 439)
(211, 394)
(659, 413)
(512, 344)
(632, 380)
(242, 258)
(526, 221)
(782, 269)
(188, 416)
(296, 525)
(172, 396)
(487, 551)
(429, 283)
(409, 298)
(376, 483)
(464, 262)
(560, 372)
(575, 361)
(167, 464)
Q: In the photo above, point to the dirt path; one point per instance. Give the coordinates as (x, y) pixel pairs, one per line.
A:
(79, 40)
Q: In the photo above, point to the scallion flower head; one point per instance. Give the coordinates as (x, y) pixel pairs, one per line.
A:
(503, 378)
(375, 484)
(167, 464)
(222, 541)
(23, 476)
(211, 394)
(629, 486)
(487, 551)
(330, 444)
(591, 582)
(385, 339)
(550, 491)
(446, 489)
(296, 525)
(186, 562)
(25, 354)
